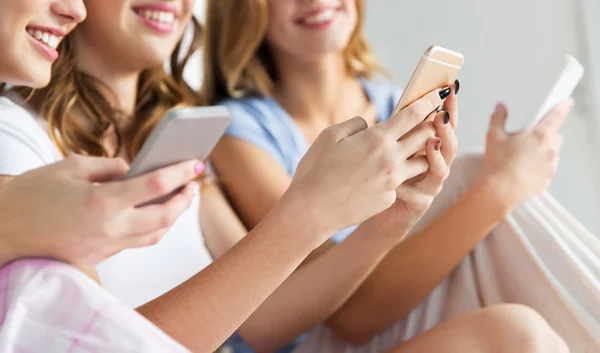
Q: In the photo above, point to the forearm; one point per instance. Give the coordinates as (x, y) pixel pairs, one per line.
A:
(8, 251)
(6, 254)
(316, 290)
(414, 268)
(205, 310)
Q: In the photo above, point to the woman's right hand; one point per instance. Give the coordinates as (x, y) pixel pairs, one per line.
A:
(351, 172)
(520, 165)
(79, 211)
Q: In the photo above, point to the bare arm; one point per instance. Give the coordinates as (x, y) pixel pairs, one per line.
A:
(414, 268)
(90, 271)
(205, 310)
(7, 253)
(313, 292)
(252, 192)
(241, 167)
(301, 221)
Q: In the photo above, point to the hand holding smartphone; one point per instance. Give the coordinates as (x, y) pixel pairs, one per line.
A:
(182, 134)
(438, 68)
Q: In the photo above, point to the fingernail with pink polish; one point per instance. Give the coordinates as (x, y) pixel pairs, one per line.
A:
(199, 168)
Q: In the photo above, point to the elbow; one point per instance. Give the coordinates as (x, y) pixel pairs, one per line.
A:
(350, 331)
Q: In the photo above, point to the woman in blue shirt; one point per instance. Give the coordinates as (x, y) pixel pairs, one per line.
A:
(289, 69)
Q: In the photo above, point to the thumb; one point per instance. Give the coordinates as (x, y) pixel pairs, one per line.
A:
(95, 169)
(498, 120)
(349, 128)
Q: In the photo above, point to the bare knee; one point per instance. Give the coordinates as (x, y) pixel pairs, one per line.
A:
(518, 328)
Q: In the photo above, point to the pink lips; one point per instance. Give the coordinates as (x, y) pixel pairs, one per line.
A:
(160, 27)
(301, 21)
(50, 53)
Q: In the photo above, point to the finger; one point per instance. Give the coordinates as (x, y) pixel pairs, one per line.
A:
(451, 105)
(406, 119)
(96, 169)
(149, 219)
(447, 134)
(438, 169)
(415, 166)
(556, 117)
(153, 185)
(348, 128)
(416, 139)
(498, 120)
(441, 115)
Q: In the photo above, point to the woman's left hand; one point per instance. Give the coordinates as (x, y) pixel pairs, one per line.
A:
(414, 197)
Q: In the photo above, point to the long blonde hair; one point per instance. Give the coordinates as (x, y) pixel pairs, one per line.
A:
(236, 60)
(70, 89)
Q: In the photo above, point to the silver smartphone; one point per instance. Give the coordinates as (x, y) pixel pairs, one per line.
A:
(181, 135)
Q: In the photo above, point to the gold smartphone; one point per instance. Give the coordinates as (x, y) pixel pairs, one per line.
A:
(438, 68)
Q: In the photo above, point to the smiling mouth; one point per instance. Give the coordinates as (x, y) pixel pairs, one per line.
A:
(160, 17)
(45, 37)
(320, 18)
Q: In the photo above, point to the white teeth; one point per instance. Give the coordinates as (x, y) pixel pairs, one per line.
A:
(321, 17)
(53, 42)
(159, 16)
(47, 38)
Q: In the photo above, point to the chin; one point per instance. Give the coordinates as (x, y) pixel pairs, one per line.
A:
(40, 83)
(322, 51)
(41, 79)
(38, 79)
(155, 58)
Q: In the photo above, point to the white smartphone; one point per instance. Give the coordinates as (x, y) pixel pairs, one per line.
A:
(563, 88)
(437, 68)
(182, 134)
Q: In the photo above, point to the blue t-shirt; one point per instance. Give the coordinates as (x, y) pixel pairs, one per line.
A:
(264, 123)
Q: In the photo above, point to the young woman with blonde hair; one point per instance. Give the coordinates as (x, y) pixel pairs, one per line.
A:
(289, 69)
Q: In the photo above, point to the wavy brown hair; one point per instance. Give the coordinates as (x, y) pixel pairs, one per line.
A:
(237, 62)
(72, 94)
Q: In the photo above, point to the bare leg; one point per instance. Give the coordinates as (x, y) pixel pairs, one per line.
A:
(497, 329)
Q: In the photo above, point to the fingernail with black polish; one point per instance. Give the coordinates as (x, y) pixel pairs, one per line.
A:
(446, 117)
(438, 144)
(444, 93)
(456, 86)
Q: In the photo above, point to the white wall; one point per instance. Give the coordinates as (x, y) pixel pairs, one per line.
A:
(507, 46)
